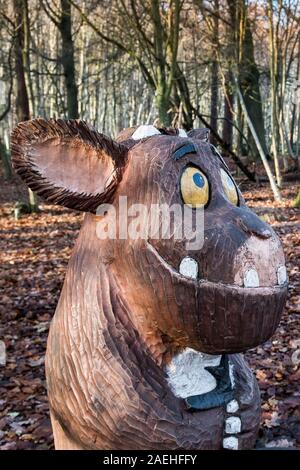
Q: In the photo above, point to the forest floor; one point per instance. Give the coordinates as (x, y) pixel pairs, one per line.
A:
(34, 254)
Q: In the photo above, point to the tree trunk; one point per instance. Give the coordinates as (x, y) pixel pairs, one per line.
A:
(273, 72)
(5, 161)
(228, 110)
(65, 27)
(163, 104)
(276, 192)
(22, 100)
(214, 85)
(249, 83)
(294, 111)
(26, 58)
(166, 37)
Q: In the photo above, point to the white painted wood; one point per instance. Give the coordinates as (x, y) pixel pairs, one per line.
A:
(231, 443)
(281, 275)
(182, 133)
(144, 131)
(233, 425)
(189, 267)
(232, 406)
(186, 374)
(251, 278)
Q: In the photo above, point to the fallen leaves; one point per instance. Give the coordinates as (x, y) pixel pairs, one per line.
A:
(295, 377)
(277, 362)
(34, 255)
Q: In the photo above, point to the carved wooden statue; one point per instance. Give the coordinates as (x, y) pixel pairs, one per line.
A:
(144, 348)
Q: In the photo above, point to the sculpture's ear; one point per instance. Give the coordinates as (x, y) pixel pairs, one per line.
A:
(200, 134)
(68, 162)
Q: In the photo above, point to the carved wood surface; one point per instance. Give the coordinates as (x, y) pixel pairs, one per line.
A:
(64, 161)
(126, 310)
(104, 385)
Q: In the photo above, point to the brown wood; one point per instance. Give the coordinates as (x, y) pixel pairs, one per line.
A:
(68, 162)
(125, 310)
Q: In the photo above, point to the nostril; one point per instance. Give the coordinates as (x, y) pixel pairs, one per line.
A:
(251, 278)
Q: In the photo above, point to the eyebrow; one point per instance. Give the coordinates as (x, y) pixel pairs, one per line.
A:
(183, 150)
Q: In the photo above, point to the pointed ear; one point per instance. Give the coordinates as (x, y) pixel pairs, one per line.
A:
(200, 134)
(68, 162)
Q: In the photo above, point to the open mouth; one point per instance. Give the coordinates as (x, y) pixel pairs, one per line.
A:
(229, 318)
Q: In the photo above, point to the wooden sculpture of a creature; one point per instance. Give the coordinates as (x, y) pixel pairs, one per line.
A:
(144, 350)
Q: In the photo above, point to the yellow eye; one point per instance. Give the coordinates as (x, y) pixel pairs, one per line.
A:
(194, 187)
(229, 188)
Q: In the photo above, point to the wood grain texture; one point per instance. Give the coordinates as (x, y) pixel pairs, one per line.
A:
(109, 392)
(68, 162)
(125, 310)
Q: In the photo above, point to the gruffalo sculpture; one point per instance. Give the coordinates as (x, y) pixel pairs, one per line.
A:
(144, 348)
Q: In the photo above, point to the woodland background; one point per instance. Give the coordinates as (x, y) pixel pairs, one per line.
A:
(231, 66)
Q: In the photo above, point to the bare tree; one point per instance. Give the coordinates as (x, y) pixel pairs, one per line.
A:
(22, 100)
(63, 21)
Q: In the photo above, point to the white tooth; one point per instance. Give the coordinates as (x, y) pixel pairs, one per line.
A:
(251, 278)
(189, 267)
(231, 443)
(233, 425)
(232, 406)
(182, 133)
(281, 275)
(144, 131)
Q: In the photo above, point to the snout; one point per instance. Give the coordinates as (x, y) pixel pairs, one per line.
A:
(229, 295)
(242, 250)
(244, 311)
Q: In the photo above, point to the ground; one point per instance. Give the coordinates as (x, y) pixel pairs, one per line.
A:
(34, 253)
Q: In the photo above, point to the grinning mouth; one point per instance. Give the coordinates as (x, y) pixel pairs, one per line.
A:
(188, 271)
(225, 318)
